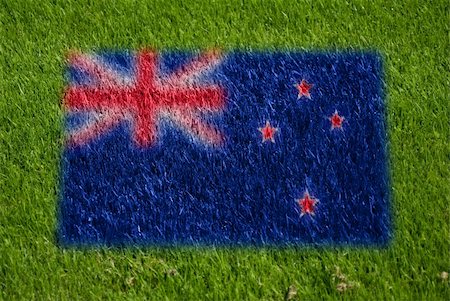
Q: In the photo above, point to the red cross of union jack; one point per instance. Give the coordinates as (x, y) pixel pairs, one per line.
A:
(148, 97)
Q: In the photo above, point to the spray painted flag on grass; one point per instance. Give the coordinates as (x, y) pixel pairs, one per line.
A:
(224, 149)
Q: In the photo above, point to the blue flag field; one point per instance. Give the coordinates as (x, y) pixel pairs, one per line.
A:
(212, 148)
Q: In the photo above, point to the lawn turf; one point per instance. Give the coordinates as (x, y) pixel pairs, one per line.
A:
(413, 36)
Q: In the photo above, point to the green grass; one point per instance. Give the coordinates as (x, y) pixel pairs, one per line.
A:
(414, 38)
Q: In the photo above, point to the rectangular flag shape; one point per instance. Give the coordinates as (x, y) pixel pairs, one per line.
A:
(212, 148)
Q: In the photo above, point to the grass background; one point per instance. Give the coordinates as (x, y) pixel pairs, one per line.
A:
(35, 35)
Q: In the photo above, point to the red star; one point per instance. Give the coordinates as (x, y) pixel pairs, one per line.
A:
(303, 89)
(268, 132)
(307, 204)
(336, 120)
